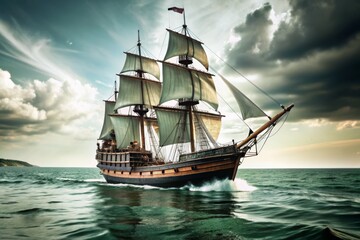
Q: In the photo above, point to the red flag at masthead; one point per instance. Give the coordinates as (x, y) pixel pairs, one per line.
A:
(176, 9)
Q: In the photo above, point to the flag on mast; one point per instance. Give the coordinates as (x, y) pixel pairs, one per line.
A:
(176, 9)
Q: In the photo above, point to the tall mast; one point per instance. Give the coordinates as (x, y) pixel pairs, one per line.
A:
(139, 48)
(184, 25)
(115, 90)
(190, 107)
(140, 109)
(189, 103)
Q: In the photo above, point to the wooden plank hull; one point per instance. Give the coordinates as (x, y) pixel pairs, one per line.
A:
(194, 171)
(172, 181)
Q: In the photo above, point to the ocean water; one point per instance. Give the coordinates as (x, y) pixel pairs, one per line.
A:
(76, 203)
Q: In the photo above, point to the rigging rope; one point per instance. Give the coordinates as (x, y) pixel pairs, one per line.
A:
(284, 118)
(110, 97)
(267, 133)
(258, 88)
(231, 67)
(234, 111)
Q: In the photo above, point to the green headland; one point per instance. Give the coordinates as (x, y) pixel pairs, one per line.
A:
(13, 163)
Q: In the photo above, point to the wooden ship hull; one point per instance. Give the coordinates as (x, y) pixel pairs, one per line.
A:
(136, 167)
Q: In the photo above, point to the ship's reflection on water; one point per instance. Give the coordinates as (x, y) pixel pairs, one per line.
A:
(130, 211)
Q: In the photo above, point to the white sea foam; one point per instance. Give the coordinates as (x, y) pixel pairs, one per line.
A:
(100, 180)
(132, 185)
(238, 185)
(66, 179)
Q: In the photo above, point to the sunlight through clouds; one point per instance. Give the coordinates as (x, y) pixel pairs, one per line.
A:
(42, 106)
(60, 104)
(348, 124)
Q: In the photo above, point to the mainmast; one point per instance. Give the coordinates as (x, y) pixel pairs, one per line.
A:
(185, 84)
(186, 60)
(140, 109)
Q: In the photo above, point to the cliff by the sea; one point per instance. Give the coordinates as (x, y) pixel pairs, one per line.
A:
(13, 163)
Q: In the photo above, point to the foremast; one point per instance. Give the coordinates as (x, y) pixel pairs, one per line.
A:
(141, 109)
(139, 90)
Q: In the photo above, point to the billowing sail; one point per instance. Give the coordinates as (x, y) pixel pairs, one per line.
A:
(107, 125)
(180, 44)
(130, 92)
(247, 107)
(174, 125)
(212, 123)
(180, 82)
(126, 129)
(134, 62)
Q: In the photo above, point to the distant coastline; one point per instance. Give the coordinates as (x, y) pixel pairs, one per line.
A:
(14, 163)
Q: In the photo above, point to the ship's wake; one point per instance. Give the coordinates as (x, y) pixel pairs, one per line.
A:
(238, 185)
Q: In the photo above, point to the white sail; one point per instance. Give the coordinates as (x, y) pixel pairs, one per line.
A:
(247, 107)
(134, 62)
(180, 82)
(107, 125)
(126, 129)
(212, 123)
(130, 92)
(173, 125)
(180, 44)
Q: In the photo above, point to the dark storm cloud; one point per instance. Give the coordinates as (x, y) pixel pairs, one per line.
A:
(254, 32)
(314, 57)
(316, 26)
(328, 85)
(249, 53)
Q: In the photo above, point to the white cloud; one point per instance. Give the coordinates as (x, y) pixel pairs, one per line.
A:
(347, 124)
(14, 101)
(43, 106)
(317, 122)
(8, 88)
(63, 103)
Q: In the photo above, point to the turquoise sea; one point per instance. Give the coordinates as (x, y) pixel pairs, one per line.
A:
(76, 203)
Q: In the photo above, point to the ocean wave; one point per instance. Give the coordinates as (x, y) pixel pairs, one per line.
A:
(9, 181)
(11, 202)
(73, 180)
(88, 233)
(33, 211)
(334, 233)
(54, 202)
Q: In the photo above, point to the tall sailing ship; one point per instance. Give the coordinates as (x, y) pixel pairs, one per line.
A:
(163, 133)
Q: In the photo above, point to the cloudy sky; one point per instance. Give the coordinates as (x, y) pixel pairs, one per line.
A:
(58, 60)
